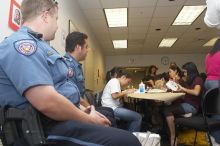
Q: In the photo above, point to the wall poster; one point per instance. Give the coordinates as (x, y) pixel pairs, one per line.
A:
(14, 21)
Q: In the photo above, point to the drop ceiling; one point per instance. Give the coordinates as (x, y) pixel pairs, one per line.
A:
(144, 18)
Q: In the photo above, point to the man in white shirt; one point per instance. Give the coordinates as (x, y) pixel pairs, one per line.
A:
(111, 98)
(212, 15)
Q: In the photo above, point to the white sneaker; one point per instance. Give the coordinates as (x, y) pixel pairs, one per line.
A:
(148, 138)
(214, 143)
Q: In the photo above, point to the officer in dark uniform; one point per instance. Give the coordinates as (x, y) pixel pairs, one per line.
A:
(32, 72)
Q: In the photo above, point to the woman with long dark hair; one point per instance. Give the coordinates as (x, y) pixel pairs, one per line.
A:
(191, 101)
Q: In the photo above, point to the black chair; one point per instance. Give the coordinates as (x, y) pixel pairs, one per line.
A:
(90, 97)
(99, 98)
(21, 124)
(203, 122)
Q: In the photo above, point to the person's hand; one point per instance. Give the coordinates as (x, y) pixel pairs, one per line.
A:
(128, 91)
(180, 88)
(87, 109)
(98, 118)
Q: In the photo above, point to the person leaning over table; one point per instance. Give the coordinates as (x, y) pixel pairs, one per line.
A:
(34, 73)
(112, 96)
(113, 73)
(190, 103)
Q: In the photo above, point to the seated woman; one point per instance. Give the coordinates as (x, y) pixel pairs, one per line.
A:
(112, 96)
(191, 101)
(150, 78)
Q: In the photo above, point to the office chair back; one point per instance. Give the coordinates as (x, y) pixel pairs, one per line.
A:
(211, 103)
(90, 97)
(99, 98)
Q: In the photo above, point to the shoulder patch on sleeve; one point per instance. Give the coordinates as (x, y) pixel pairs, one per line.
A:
(26, 47)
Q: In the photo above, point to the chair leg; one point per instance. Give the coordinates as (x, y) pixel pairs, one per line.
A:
(195, 138)
(210, 141)
(176, 132)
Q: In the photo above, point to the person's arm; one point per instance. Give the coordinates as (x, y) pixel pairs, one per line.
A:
(122, 94)
(52, 104)
(195, 91)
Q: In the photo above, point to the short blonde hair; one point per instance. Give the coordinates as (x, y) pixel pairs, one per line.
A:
(32, 8)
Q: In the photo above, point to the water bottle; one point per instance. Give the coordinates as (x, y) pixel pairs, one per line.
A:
(142, 87)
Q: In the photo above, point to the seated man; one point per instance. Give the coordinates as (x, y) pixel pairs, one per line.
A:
(76, 51)
(111, 98)
(39, 77)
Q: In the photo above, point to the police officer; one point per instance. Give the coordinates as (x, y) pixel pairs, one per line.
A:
(34, 73)
(76, 51)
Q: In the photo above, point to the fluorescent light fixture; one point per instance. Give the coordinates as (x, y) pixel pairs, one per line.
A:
(167, 42)
(120, 44)
(116, 17)
(188, 15)
(210, 42)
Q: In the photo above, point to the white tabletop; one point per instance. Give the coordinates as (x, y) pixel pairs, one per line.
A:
(166, 97)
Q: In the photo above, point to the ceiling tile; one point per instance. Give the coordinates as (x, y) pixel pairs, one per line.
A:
(140, 12)
(136, 22)
(94, 13)
(134, 36)
(153, 32)
(89, 4)
(114, 3)
(167, 11)
(137, 30)
(163, 21)
(170, 3)
(141, 3)
(195, 2)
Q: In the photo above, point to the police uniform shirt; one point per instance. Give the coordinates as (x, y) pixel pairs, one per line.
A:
(27, 61)
(77, 75)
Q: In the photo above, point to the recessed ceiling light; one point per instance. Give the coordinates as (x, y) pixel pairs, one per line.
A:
(167, 42)
(116, 17)
(210, 42)
(188, 15)
(120, 44)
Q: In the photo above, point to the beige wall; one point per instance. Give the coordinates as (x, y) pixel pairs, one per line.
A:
(146, 60)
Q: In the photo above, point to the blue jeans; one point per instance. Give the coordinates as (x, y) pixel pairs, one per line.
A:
(188, 108)
(210, 84)
(133, 118)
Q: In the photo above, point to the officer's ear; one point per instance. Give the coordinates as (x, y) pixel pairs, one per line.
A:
(44, 16)
(78, 46)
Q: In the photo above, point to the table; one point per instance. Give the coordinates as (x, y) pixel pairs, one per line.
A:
(166, 96)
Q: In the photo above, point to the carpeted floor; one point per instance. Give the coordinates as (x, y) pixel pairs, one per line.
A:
(186, 137)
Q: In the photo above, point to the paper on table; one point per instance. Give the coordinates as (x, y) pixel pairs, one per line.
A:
(172, 85)
(156, 91)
